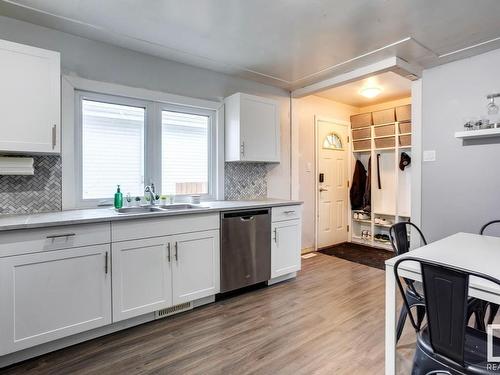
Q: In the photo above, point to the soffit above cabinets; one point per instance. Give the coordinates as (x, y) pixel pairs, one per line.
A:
(392, 87)
(283, 43)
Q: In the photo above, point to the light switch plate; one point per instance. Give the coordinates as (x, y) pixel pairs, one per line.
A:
(429, 155)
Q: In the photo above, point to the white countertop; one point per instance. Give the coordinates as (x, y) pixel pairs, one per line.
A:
(95, 215)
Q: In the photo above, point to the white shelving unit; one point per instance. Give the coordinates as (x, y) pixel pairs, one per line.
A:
(476, 134)
(392, 202)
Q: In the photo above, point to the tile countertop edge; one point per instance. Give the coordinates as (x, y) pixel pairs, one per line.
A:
(100, 215)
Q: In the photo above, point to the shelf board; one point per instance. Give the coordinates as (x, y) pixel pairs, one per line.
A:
(384, 136)
(481, 133)
(404, 134)
(361, 139)
(383, 225)
(366, 150)
(385, 148)
(362, 221)
(384, 214)
(405, 146)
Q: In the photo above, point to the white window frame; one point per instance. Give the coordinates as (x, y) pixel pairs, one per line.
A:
(78, 89)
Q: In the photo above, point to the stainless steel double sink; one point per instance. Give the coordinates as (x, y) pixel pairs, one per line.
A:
(159, 208)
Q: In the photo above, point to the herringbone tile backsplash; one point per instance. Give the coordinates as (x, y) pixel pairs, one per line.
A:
(245, 181)
(31, 194)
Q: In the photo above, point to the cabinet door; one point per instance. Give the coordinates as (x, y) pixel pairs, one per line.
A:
(49, 295)
(260, 129)
(29, 99)
(285, 247)
(195, 266)
(141, 277)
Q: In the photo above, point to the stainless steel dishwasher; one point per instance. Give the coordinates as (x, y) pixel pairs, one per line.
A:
(245, 248)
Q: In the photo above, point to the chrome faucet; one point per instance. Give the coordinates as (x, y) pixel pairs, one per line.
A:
(150, 189)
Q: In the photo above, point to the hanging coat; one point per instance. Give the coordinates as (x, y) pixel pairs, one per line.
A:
(368, 189)
(358, 186)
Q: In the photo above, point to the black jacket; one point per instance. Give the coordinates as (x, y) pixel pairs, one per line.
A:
(358, 186)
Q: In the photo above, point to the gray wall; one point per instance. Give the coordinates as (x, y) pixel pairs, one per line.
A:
(461, 189)
(104, 62)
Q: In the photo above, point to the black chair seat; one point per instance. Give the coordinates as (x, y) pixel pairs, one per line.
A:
(475, 355)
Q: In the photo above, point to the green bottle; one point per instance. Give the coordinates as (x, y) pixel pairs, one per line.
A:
(118, 198)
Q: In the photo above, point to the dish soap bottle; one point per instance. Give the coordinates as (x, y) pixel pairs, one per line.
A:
(118, 198)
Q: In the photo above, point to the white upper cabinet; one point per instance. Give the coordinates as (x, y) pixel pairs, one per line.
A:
(252, 129)
(29, 99)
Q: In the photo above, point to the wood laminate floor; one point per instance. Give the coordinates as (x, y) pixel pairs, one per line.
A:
(330, 320)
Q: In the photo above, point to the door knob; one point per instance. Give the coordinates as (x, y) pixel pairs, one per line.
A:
(322, 189)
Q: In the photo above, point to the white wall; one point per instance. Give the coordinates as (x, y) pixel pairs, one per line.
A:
(104, 62)
(461, 189)
(307, 108)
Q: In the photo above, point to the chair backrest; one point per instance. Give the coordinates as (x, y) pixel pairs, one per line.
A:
(398, 233)
(483, 228)
(446, 294)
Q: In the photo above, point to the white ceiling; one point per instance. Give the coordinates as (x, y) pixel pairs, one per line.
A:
(393, 87)
(287, 43)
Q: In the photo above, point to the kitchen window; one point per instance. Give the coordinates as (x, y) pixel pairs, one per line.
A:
(133, 143)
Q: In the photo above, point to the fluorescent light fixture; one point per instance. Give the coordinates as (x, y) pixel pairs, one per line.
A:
(370, 92)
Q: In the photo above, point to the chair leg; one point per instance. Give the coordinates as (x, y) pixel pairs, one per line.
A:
(420, 315)
(493, 312)
(479, 315)
(401, 322)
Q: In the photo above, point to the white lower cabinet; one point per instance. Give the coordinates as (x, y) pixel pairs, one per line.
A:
(141, 277)
(285, 247)
(49, 295)
(195, 269)
(155, 273)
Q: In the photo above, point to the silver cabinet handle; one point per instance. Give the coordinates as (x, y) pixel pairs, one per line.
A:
(176, 251)
(289, 212)
(54, 136)
(275, 235)
(53, 236)
(168, 252)
(242, 148)
(106, 263)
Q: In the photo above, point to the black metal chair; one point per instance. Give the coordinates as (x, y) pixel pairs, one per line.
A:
(446, 344)
(398, 234)
(493, 306)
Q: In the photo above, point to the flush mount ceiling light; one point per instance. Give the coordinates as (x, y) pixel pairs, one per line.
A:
(370, 92)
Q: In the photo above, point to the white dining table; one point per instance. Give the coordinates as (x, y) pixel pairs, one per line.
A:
(464, 250)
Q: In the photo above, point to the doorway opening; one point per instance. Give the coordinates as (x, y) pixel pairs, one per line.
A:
(362, 172)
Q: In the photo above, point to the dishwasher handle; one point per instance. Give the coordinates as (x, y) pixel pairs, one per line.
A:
(248, 215)
(247, 218)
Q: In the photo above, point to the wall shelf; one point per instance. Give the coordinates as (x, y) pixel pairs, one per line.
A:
(481, 133)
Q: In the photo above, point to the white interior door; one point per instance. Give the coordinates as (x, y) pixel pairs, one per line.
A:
(332, 151)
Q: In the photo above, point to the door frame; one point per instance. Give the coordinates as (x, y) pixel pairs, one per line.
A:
(347, 124)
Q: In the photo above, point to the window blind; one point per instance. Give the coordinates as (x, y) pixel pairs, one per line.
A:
(112, 149)
(185, 153)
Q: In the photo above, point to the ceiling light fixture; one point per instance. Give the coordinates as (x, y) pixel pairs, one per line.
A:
(370, 92)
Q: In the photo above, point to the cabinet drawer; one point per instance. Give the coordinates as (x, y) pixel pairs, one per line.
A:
(25, 241)
(286, 213)
(163, 226)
